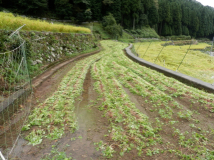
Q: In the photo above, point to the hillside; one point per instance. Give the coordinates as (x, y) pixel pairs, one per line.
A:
(167, 17)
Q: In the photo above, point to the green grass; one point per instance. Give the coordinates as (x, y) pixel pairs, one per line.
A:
(145, 32)
(127, 38)
(9, 22)
(98, 29)
(195, 64)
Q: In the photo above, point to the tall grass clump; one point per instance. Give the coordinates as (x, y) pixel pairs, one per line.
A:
(9, 22)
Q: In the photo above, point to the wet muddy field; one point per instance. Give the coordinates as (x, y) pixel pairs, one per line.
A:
(121, 111)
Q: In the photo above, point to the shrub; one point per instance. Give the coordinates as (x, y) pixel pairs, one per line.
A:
(133, 31)
(110, 25)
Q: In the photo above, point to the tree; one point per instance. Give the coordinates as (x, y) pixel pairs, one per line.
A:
(33, 7)
(135, 7)
(194, 23)
(96, 8)
(63, 9)
(185, 30)
(126, 10)
(115, 9)
(176, 14)
(108, 2)
(153, 16)
(110, 25)
(167, 30)
(88, 14)
(143, 20)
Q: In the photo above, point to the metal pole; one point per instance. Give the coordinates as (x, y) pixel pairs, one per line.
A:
(183, 58)
(138, 47)
(159, 54)
(147, 49)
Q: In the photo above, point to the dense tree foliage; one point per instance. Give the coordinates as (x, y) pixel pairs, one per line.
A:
(167, 17)
(110, 25)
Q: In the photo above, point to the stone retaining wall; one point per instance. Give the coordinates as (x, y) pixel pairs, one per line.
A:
(47, 47)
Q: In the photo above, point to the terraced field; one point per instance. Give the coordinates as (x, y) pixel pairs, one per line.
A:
(107, 106)
(196, 63)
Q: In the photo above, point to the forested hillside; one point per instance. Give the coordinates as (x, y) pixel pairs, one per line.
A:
(167, 17)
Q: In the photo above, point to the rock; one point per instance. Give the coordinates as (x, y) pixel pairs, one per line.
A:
(1, 99)
(33, 63)
(39, 61)
(53, 55)
(52, 49)
(18, 88)
(61, 48)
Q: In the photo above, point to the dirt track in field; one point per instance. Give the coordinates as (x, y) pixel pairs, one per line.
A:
(92, 126)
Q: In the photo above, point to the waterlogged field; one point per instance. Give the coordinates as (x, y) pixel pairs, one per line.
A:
(9, 22)
(138, 113)
(196, 64)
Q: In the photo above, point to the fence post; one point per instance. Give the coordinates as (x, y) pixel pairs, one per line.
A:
(159, 54)
(147, 49)
(184, 57)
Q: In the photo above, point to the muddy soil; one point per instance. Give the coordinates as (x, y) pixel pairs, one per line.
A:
(80, 144)
(43, 86)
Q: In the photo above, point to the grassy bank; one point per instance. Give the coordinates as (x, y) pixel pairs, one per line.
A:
(9, 22)
(196, 63)
(145, 32)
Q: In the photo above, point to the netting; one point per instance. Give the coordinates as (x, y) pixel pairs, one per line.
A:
(190, 57)
(15, 91)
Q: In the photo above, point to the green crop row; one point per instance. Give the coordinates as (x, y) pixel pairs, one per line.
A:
(164, 110)
(56, 115)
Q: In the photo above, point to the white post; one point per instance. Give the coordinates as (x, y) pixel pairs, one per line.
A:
(2, 157)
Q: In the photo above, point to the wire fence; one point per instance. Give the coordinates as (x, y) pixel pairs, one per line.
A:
(15, 92)
(188, 57)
